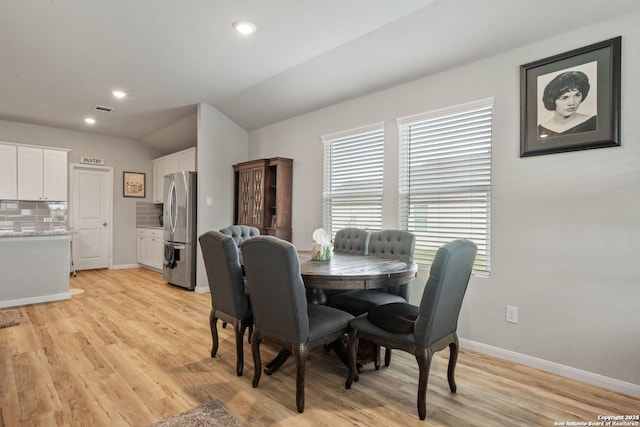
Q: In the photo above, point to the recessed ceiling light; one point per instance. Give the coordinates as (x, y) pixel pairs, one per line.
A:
(244, 27)
(119, 94)
(89, 120)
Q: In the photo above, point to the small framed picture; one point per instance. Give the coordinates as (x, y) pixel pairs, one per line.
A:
(133, 184)
(571, 101)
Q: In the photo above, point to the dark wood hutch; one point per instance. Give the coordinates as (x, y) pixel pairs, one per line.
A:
(263, 195)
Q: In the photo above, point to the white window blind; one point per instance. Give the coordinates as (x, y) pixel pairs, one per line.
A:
(353, 179)
(445, 179)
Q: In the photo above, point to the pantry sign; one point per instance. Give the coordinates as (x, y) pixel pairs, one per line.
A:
(91, 161)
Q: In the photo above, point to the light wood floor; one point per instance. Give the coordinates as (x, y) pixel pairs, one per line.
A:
(131, 350)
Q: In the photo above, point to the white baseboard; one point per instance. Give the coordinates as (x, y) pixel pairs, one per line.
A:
(201, 289)
(35, 300)
(123, 266)
(613, 384)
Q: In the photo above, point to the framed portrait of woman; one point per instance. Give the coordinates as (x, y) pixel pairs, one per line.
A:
(571, 101)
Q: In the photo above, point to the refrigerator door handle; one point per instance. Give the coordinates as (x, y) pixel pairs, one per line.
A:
(173, 206)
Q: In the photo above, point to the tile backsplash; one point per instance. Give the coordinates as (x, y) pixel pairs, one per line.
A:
(33, 216)
(148, 214)
(19, 215)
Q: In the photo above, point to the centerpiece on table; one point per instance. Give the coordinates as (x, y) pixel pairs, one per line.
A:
(321, 249)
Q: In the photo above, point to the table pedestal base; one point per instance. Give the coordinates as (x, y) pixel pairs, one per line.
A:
(277, 362)
(337, 346)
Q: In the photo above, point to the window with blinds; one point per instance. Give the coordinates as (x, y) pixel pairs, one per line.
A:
(353, 174)
(445, 179)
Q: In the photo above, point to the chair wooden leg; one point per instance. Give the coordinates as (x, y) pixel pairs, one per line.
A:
(255, 350)
(239, 328)
(300, 352)
(376, 357)
(213, 324)
(453, 359)
(423, 356)
(387, 356)
(352, 350)
(250, 326)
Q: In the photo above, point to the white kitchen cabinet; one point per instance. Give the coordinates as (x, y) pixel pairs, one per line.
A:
(8, 172)
(184, 160)
(54, 180)
(41, 174)
(30, 173)
(187, 160)
(150, 250)
(158, 176)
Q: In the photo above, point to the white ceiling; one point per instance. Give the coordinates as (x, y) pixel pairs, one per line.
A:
(60, 58)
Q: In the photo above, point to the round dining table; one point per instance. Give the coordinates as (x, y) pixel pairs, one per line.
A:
(346, 271)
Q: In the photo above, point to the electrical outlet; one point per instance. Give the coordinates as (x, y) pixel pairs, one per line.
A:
(511, 314)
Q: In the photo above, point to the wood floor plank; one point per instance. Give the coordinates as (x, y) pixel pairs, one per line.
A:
(132, 350)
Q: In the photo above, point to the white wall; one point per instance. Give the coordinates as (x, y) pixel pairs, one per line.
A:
(122, 154)
(221, 144)
(565, 227)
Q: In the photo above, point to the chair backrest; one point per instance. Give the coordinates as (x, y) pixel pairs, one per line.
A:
(392, 243)
(444, 291)
(224, 273)
(351, 241)
(239, 233)
(276, 288)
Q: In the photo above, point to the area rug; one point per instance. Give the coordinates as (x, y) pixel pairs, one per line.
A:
(9, 318)
(208, 415)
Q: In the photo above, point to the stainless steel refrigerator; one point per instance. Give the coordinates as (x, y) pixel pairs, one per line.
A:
(179, 221)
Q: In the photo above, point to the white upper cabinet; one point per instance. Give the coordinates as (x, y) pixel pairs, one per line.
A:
(42, 174)
(8, 172)
(184, 160)
(187, 160)
(54, 175)
(30, 173)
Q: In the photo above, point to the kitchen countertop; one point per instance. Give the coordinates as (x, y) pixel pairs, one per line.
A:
(38, 233)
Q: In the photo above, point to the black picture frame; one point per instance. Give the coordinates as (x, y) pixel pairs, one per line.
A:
(134, 184)
(540, 80)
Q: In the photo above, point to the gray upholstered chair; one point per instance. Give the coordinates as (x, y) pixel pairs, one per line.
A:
(348, 241)
(351, 241)
(240, 232)
(229, 301)
(386, 243)
(436, 319)
(280, 309)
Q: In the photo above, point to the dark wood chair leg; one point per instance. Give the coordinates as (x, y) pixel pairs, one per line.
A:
(300, 353)
(352, 350)
(376, 357)
(250, 326)
(257, 364)
(213, 324)
(239, 332)
(387, 356)
(453, 359)
(423, 356)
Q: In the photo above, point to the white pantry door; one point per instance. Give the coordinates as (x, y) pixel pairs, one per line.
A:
(91, 215)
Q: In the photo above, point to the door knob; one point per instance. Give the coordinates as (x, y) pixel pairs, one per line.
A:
(104, 224)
